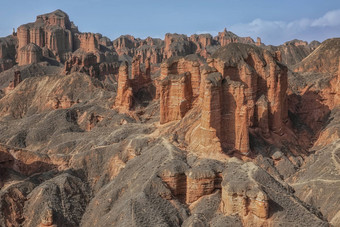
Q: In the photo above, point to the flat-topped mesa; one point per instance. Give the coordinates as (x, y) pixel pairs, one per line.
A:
(226, 37)
(31, 53)
(262, 75)
(52, 30)
(123, 99)
(175, 97)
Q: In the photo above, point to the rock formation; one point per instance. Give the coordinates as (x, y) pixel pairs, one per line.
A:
(244, 198)
(226, 37)
(31, 53)
(248, 91)
(53, 30)
(86, 41)
(90, 63)
(261, 74)
(14, 83)
(140, 78)
(174, 132)
(177, 45)
(47, 218)
(124, 96)
(175, 97)
(7, 52)
(320, 61)
(292, 52)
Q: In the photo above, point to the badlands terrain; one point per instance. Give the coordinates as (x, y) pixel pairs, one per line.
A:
(187, 131)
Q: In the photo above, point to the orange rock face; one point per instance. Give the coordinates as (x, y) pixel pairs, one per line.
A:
(139, 78)
(262, 75)
(238, 203)
(224, 114)
(178, 65)
(124, 45)
(52, 30)
(198, 186)
(202, 42)
(190, 186)
(31, 53)
(226, 37)
(239, 92)
(86, 41)
(175, 97)
(124, 93)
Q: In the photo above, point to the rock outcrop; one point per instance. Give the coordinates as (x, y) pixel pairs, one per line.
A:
(14, 83)
(31, 53)
(292, 52)
(7, 52)
(177, 86)
(243, 88)
(226, 37)
(262, 75)
(124, 96)
(86, 41)
(203, 139)
(140, 78)
(93, 64)
(175, 97)
(53, 30)
(177, 45)
(47, 218)
(323, 60)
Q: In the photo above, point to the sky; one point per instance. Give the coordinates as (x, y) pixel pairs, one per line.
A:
(274, 21)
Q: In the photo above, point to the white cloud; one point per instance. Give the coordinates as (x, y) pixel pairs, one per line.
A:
(331, 18)
(277, 32)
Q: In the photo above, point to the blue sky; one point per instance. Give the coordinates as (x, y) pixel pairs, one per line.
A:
(272, 20)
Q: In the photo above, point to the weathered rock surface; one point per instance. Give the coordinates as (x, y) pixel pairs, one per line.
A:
(323, 60)
(248, 91)
(7, 52)
(294, 51)
(31, 53)
(318, 179)
(53, 30)
(244, 194)
(213, 136)
(124, 96)
(227, 37)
